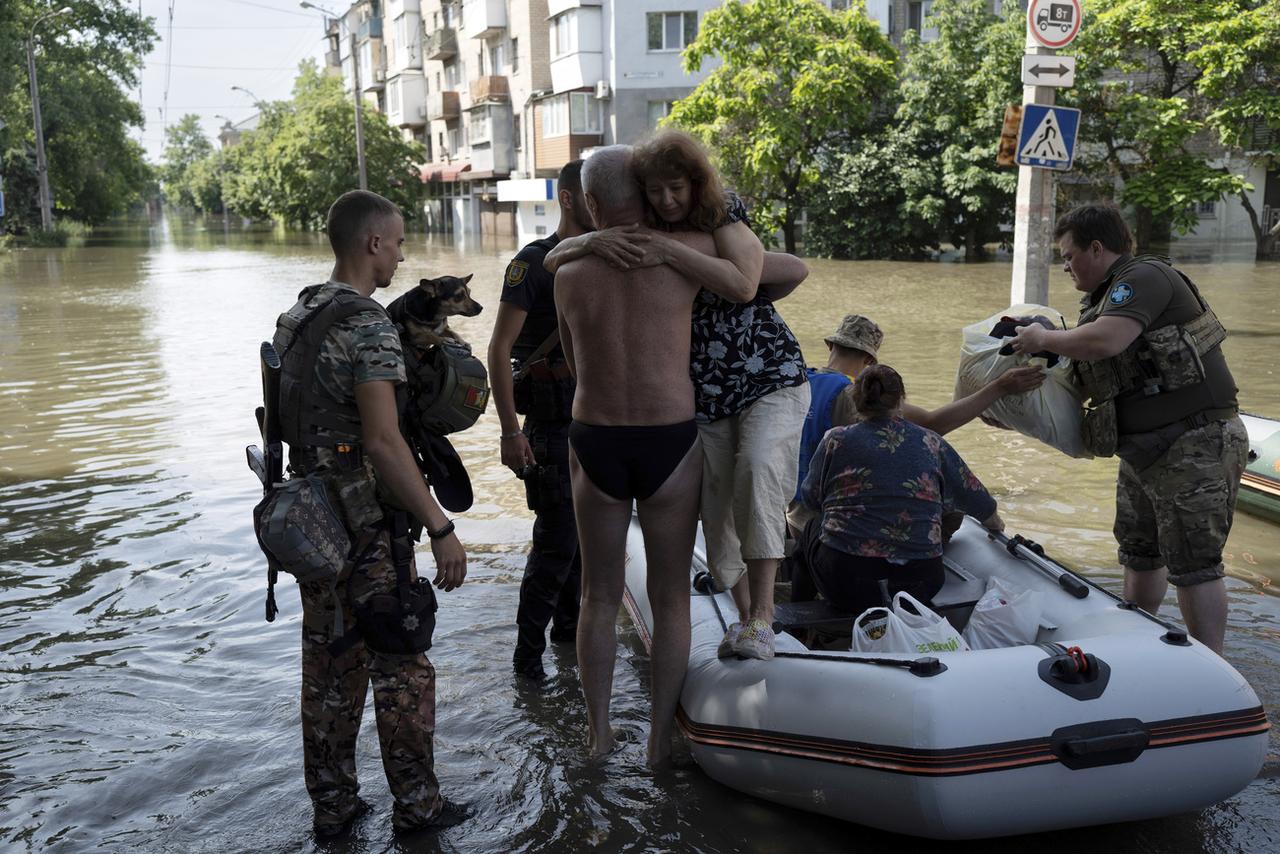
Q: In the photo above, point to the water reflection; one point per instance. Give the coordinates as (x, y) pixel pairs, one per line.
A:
(148, 706)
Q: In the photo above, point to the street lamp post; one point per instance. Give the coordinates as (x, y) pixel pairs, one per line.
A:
(42, 166)
(355, 81)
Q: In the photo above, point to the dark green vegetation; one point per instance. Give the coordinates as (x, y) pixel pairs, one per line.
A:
(809, 111)
(87, 61)
(296, 162)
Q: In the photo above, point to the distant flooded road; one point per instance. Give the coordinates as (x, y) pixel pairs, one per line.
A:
(145, 705)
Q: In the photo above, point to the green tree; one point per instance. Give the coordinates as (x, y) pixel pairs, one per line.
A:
(185, 147)
(1165, 89)
(302, 156)
(87, 61)
(860, 209)
(796, 79)
(954, 92)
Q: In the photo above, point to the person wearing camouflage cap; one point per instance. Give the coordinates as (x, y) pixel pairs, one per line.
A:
(853, 347)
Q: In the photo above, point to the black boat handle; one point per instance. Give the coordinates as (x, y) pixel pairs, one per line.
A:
(1101, 743)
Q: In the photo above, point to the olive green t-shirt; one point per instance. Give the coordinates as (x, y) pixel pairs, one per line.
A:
(1155, 295)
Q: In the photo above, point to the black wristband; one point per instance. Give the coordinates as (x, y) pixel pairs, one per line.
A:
(442, 533)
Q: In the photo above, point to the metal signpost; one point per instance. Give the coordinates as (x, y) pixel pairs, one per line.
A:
(1046, 142)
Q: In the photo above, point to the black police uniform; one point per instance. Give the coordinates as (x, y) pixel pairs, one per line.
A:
(552, 576)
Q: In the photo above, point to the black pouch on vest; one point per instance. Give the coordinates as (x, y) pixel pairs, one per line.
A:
(544, 488)
(398, 623)
(1141, 450)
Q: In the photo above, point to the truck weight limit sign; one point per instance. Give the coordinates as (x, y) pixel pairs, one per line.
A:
(1053, 23)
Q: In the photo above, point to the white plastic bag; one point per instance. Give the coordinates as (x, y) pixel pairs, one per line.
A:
(907, 627)
(1051, 413)
(1004, 616)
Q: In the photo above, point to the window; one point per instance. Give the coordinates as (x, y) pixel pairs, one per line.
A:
(1207, 209)
(515, 131)
(479, 125)
(576, 113)
(540, 230)
(539, 210)
(915, 16)
(564, 30)
(497, 58)
(451, 76)
(393, 95)
(671, 30)
(584, 113)
(658, 110)
(455, 140)
(515, 56)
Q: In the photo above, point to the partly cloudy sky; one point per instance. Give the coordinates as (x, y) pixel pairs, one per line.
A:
(216, 44)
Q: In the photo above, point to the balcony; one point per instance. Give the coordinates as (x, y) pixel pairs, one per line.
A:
(443, 106)
(483, 18)
(442, 44)
(485, 89)
(370, 28)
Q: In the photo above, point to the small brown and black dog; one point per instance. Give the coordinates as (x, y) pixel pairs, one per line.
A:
(423, 313)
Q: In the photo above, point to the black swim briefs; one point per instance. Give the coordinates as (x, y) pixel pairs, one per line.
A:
(631, 462)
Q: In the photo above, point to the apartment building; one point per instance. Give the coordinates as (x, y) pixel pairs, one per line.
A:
(502, 93)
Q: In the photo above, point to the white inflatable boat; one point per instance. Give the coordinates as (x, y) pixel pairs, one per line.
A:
(972, 744)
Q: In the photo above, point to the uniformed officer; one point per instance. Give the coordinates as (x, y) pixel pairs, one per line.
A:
(351, 437)
(539, 453)
(1148, 356)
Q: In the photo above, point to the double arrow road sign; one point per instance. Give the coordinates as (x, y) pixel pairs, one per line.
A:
(1056, 71)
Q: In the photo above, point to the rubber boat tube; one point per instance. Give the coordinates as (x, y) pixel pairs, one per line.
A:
(1260, 483)
(973, 744)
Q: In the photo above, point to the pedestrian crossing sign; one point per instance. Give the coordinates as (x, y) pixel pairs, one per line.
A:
(1047, 137)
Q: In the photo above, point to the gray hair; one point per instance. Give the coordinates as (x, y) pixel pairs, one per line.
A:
(607, 176)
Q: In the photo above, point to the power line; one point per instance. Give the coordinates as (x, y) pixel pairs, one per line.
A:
(221, 27)
(232, 67)
(272, 8)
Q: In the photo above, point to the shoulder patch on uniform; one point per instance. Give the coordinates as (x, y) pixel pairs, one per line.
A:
(1121, 293)
(516, 271)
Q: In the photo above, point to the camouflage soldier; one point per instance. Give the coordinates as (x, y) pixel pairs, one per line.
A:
(347, 431)
(1148, 355)
(539, 452)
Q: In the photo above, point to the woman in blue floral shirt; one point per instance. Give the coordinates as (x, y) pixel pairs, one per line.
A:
(881, 486)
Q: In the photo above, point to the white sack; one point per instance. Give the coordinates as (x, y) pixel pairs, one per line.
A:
(1050, 413)
(902, 630)
(1004, 616)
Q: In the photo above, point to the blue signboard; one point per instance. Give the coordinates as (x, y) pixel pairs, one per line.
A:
(1047, 138)
(1, 202)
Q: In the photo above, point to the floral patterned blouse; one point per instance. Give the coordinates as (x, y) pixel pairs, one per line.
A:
(740, 351)
(882, 486)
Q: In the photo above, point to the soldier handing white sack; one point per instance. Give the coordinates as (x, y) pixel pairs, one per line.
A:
(1050, 413)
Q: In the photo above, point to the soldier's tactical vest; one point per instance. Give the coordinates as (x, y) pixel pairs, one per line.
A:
(300, 332)
(1164, 359)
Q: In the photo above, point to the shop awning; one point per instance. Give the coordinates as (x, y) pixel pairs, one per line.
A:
(443, 171)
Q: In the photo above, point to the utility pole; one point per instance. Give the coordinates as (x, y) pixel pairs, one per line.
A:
(42, 166)
(355, 79)
(1046, 142)
(1034, 212)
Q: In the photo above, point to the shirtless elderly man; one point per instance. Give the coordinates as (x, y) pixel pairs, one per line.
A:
(626, 338)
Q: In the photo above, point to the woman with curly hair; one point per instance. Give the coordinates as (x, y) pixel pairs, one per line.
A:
(748, 373)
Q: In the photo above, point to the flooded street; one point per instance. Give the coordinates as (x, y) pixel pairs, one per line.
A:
(145, 705)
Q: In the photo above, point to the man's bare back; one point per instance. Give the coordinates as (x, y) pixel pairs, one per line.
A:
(626, 334)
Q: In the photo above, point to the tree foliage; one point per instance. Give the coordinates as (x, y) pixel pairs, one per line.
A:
(302, 156)
(1161, 83)
(795, 80)
(186, 146)
(954, 93)
(86, 61)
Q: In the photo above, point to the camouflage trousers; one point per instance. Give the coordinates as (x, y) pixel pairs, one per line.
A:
(333, 698)
(1177, 512)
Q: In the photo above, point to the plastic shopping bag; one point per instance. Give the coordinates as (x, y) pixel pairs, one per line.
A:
(906, 627)
(1051, 413)
(1004, 616)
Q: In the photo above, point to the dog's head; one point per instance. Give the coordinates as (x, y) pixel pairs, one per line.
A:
(446, 296)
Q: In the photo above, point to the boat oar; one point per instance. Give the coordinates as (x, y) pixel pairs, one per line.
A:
(1033, 553)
